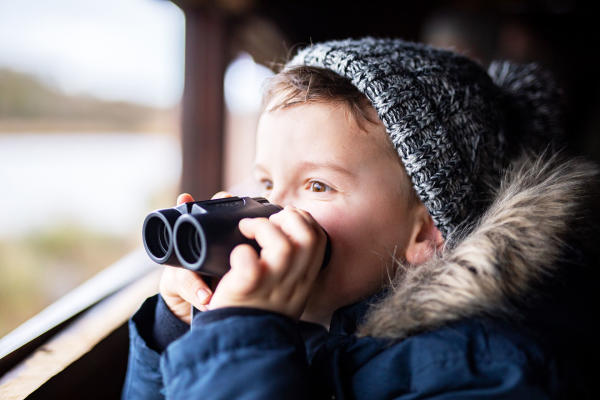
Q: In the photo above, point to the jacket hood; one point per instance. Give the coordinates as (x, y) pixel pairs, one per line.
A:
(515, 245)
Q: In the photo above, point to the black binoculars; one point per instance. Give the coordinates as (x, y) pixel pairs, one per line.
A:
(200, 235)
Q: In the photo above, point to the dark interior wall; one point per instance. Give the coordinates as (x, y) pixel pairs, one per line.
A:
(312, 20)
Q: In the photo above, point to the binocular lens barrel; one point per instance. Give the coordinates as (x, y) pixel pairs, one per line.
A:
(191, 243)
(157, 235)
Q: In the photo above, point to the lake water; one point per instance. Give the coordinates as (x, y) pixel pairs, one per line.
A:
(104, 182)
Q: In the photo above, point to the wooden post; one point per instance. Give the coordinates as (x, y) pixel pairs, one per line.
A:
(206, 55)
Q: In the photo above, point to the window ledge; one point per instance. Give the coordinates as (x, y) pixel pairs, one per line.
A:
(63, 332)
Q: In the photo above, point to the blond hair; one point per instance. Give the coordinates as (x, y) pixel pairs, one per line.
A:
(305, 84)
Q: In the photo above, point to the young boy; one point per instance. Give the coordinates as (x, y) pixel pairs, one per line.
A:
(390, 147)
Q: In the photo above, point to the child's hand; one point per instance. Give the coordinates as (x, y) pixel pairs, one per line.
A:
(180, 287)
(280, 280)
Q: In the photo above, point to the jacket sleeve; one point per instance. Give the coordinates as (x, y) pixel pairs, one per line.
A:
(237, 353)
(143, 379)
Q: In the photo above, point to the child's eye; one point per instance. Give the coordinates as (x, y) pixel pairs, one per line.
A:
(317, 186)
(267, 184)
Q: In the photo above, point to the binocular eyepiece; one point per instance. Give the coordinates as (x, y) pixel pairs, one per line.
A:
(200, 235)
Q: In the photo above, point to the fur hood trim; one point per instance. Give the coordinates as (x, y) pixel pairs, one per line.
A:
(515, 244)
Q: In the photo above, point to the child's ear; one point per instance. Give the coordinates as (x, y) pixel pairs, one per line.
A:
(425, 238)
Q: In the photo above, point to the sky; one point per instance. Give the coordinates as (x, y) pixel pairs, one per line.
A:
(130, 50)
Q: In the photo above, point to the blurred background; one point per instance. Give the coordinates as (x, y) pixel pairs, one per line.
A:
(89, 97)
(99, 100)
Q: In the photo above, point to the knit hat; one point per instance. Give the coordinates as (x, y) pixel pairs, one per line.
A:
(452, 123)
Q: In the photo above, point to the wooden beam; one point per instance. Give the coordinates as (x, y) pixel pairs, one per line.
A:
(206, 56)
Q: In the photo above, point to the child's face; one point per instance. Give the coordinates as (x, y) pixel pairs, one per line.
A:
(314, 156)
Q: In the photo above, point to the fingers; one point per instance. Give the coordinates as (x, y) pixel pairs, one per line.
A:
(241, 280)
(292, 245)
(221, 195)
(245, 262)
(281, 277)
(192, 288)
(309, 239)
(246, 270)
(277, 249)
(180, 288)
(184, 198)
(321, 234)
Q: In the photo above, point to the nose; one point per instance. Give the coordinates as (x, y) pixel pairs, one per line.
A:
(279, 197)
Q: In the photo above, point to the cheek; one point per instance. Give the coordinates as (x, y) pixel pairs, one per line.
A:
(365, 239)
(334, 220)
(358, 242)
(359, 259)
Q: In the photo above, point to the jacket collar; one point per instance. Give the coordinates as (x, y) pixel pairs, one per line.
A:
(346, 320)
(515, 244)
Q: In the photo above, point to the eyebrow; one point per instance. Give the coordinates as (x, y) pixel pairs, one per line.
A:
(314, 165)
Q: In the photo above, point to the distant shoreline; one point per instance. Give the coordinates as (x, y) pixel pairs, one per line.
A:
(29, 105)
(15, 125)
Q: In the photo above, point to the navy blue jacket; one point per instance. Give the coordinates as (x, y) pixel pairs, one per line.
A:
(236, 353)
(474, 323)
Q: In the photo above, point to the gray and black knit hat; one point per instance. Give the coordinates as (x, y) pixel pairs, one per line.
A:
(452, 122)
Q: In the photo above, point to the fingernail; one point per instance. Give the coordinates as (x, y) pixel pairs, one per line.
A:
(203, 295)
